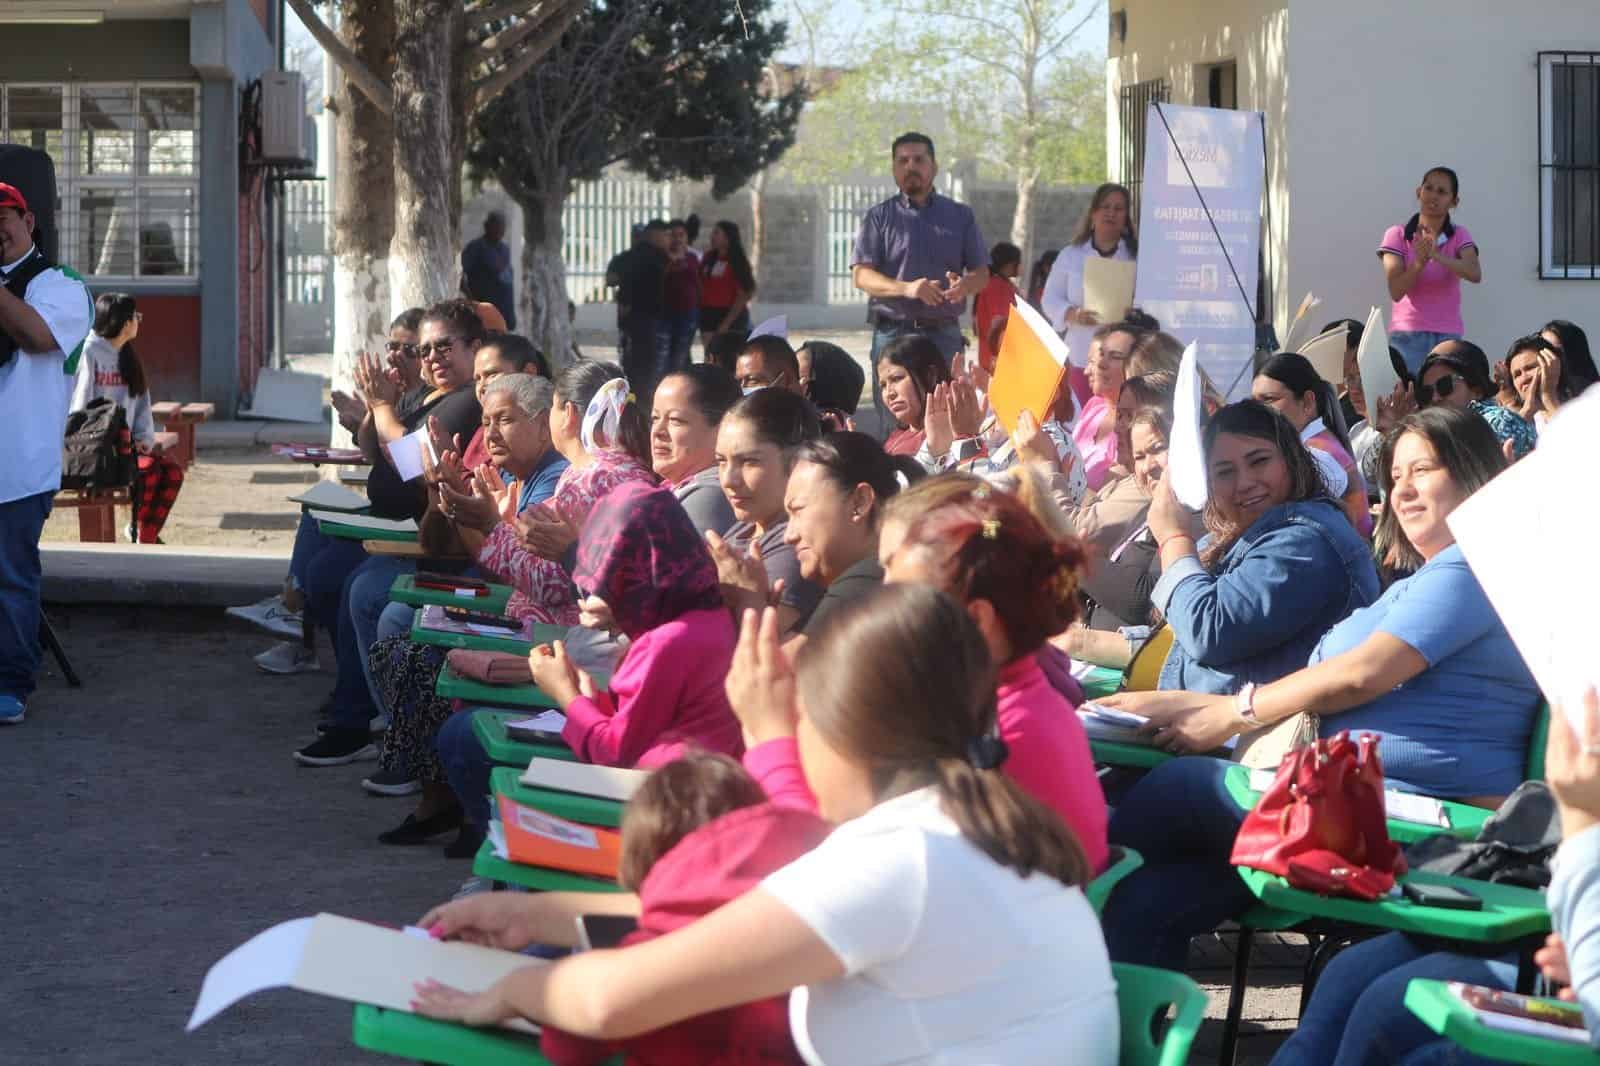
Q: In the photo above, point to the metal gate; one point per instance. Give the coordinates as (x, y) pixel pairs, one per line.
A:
(846, 205)
(596, 222)
(1135, 106)
(308, 274)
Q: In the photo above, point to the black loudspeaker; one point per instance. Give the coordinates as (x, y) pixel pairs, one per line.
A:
(34, 174)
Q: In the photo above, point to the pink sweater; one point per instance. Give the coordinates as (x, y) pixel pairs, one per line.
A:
(1049, 758)
(666, 696)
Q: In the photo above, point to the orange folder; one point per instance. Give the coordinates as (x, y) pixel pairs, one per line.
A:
(1029, 369)
(534, 838)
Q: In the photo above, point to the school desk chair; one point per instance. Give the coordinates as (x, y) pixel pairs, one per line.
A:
(1122, 862)
(1443, 1012)
(1145, 995)
(405, 590)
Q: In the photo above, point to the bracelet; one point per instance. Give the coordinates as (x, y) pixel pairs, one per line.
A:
(1161, 545)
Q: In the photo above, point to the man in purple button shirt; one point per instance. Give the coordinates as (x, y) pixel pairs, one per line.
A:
(918, 257)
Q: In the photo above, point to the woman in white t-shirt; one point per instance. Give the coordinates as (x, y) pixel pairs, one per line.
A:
(1105, 231)
(942, 921)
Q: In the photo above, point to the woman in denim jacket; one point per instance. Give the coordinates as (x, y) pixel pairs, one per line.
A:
(1280, 566)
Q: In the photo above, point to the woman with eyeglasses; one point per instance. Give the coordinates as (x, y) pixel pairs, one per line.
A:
(1456, 374)
(1425, 261)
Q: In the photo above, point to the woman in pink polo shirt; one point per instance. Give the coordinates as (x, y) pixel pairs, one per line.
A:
(1425, 262)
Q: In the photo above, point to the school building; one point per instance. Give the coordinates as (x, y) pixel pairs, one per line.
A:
(139, 104)
(1361, 98)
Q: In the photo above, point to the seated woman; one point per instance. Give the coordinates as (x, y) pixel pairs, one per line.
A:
(1533, 366)
(110, 369)
(642, 558)
(1288, 384)
(1096, 431)
(756, 447)
(875, 929)
(909, 369)
(832, 380)
(1577, 363)
(1456, 374)
(1118, 590)
(684, 415)
(1106, 518)
(1429, 669)
(1280, 565)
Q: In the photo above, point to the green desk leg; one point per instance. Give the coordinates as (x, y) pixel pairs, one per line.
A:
(490, 729)
(411, 1036)
(404, 590)
(1101, 681)
(590, 810)
(1441, 1011)
(1509, 913)
(1465, 820)
(1116, 753)
(488, 864)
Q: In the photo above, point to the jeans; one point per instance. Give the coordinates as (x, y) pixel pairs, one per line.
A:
(368, 598)
(396, 621)
(466, 765)
(1414, 345)
(21, 525)
(1357, 1015)
(947, 336)
(674, 337)
(1182, 820)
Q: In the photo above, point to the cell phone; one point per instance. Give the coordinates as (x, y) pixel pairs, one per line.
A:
(603, 930)
(467, 617)
(455, 581)
(1456, 899)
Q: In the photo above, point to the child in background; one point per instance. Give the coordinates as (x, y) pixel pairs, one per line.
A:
(994, 301)
(698, 833)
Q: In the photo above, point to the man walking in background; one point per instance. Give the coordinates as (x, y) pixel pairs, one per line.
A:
(486, 261)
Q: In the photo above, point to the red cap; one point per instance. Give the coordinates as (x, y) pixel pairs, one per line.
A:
(11, 197)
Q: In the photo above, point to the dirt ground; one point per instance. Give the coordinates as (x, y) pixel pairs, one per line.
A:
(155, 821)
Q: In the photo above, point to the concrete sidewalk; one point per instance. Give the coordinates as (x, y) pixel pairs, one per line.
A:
(242, 434)
(159, 575)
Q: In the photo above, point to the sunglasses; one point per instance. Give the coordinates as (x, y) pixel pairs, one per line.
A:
(439, 347)
(1441, 388)
(407, 350)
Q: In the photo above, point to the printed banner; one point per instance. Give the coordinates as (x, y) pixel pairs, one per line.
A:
(1184, 279)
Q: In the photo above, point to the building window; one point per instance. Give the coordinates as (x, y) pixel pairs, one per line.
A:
(1217, 85)
(1135, 107)
(1569, 165)
(127, 159)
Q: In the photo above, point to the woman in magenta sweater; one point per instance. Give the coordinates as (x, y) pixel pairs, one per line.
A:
(1019, 584)
(640, 556)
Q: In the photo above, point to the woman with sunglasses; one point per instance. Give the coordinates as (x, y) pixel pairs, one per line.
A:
(1456, 374)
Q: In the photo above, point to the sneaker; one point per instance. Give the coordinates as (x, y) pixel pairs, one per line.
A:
(337, 747)
(288, 658)
(378, 723)
(12, 710)
(272, 615)
(392, 783)
(416, 830)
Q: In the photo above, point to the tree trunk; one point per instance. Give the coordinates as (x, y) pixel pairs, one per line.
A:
(545, 274)
(363, 206)
(758, 222)
(1022, 217)
(424, 263)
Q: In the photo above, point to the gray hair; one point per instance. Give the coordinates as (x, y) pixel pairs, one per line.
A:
(531, 394)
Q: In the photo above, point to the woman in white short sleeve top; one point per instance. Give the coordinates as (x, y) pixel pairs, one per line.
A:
(941, 923)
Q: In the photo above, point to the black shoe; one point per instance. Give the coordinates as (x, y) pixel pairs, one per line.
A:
(419, 831)
(466, 844)
(337, 747)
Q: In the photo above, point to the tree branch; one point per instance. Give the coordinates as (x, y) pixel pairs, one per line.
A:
(490, 12)
(371, 86)
(549, 24)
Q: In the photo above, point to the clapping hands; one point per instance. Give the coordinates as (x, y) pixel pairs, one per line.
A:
(742, 575)
(377, 383)
(761, 683)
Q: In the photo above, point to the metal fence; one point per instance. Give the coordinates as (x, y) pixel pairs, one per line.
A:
(1135, 101)
(308, 274)
(846, 205)
(595, 226)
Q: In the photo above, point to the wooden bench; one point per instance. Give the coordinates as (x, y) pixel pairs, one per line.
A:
(181, 418)
(97, 512)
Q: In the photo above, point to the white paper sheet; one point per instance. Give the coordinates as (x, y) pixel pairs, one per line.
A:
(267, 960)
(1517, 533)
(1308, 303)
(1186, 459)
(607, 782)
(1108, 287)
(551, 722)
(1325, 353)
(776, 326)
(406, 453)
(1378, 378)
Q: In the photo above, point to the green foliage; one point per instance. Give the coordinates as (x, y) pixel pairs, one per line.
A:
(671, 88)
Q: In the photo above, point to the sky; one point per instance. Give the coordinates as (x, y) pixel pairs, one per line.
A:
(848, 19)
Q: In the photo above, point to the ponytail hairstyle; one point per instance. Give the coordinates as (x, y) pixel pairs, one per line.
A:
(900, 681)
(1294, 372)
(578, 385)
(780, 418)
(849, 459)
(1449, 229)
(1251, 418)
(988, 545)
(112, 313)
(696, 788)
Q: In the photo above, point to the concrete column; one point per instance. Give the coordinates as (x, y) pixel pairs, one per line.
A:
(219, 244)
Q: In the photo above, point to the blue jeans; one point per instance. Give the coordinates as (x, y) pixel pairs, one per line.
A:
(1181, 819)
(367, 599)
(1357, 1015)
(466, 765)
(1414, 345)
(677, 328)
(947, 336)
(21, 525)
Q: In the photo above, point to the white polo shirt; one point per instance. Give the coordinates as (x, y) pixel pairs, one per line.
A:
(35, 386)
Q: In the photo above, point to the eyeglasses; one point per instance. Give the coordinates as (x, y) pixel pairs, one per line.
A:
(1442, 388)
(439, 347)
(407, 350)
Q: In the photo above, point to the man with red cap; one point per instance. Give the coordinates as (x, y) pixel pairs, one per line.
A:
(45, 314)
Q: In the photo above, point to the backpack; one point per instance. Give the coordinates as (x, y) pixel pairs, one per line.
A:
(97, 452)
(1514, 846)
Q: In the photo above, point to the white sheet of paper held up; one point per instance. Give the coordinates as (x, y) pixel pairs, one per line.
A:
(406, 453)
(1186, 457)
(1378, 378)
(1108, 287)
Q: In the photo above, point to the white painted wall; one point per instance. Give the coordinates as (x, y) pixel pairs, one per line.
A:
(1384, 91)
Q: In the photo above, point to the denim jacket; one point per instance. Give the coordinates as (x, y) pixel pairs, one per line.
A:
(1257, 615)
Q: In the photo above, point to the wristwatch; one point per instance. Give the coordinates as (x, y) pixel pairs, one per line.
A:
(1244, 705)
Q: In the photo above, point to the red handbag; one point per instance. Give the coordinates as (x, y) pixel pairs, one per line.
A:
(1321, 825)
